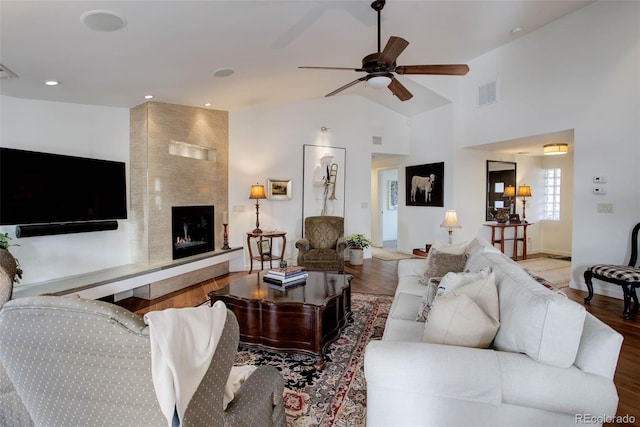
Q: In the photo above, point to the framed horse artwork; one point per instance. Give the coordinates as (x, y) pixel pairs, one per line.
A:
(425, 185)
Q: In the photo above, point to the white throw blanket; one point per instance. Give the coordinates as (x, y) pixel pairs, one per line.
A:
(183, 342)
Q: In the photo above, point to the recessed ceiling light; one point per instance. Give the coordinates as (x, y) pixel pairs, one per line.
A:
(516, 30)
(148, 97)
(207, 104)
(52, 83)
(224, 72)
(103, 20)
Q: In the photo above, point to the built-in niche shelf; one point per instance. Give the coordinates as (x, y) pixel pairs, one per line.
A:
(111, 281)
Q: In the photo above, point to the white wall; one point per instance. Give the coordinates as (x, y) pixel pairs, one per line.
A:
(76, 130)
(268, 143)
(580, 72)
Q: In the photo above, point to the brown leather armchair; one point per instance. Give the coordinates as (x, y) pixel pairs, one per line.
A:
(322, 247)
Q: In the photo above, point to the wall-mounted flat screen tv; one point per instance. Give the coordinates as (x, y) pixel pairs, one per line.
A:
(40, 188)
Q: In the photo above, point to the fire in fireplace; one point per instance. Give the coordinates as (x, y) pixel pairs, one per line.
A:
(192, 230)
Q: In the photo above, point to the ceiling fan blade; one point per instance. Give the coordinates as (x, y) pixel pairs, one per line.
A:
(399, 90)
(447, 69)
(332, 68)
(347, 86)
(393, 49)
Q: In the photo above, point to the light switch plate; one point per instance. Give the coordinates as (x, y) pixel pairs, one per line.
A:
(599, 189)
(605, 207)
(599, 179)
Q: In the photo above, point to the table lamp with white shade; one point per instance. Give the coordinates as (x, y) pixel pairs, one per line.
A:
(450, 222)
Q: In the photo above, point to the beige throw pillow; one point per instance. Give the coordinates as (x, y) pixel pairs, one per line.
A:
(468, 316)
(440, 263)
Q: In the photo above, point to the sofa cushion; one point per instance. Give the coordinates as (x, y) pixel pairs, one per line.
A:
(468, 316)
(440, 263)
(404, 306)
(403, 330)
(535, 321)
(412, 267)
(411, 285)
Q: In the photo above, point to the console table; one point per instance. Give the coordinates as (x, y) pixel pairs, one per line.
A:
(517, 236)
(262, 257)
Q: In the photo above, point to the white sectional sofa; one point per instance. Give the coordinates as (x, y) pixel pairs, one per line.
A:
(550, 363)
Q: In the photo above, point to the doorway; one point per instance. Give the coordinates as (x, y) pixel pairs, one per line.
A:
(388, 209)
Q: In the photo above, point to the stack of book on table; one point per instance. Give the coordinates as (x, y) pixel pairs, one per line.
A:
(285, 278)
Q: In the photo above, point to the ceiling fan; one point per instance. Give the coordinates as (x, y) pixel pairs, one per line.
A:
(381, 65)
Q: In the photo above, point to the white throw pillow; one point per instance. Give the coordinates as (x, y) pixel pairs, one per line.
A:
(452, 281)
(437, 286)
(457, 320)
(468, 316)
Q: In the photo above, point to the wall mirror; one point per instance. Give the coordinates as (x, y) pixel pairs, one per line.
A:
(501, 187)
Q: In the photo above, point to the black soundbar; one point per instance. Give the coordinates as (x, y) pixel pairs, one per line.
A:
(66, 228)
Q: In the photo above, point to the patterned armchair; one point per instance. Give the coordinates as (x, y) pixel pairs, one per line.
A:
(79, 362)
(322, 247)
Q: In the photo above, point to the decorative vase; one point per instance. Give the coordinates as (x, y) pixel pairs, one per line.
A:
(356, 256)
(502, 215)
(8, 264)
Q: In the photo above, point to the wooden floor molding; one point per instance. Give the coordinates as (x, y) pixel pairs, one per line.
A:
(379, 277)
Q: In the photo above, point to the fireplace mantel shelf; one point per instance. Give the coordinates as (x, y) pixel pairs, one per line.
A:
(123, 278)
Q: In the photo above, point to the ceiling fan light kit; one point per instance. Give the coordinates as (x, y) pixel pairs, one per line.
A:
(379, 82)
(381, 65)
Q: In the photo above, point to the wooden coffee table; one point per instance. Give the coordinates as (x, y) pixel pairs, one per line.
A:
(303, 320)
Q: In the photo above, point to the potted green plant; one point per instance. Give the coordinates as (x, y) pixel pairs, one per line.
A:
(7, 261)
(356, 244)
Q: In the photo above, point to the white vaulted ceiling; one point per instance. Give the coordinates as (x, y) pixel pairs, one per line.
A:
(172, 48)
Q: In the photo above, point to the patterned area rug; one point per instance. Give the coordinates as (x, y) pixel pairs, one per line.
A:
(337, 395)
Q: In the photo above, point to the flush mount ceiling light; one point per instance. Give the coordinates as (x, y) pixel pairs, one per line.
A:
(224, 72)
(207, 104)
(555, 149)
(6, 73)
(103, 20)
(51, 83)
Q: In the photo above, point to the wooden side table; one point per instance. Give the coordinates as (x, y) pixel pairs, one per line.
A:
(265, 236)
(516, 236)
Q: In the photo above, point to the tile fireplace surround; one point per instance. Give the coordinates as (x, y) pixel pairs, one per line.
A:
(161, 180)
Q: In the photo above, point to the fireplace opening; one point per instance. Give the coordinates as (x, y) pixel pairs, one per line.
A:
(192, 230)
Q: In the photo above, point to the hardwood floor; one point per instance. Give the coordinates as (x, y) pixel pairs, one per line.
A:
(379, 277)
